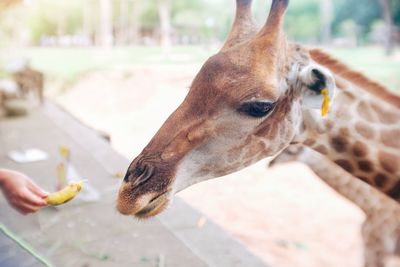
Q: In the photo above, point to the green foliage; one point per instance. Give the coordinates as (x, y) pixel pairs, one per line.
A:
(204, 18)
(188, 14)
(71, 63)
(193, 5)
(362, 12)
(396, 11)
(303, 21)
(149, 15)
(183, 13)
(11, 24)
(41, 24)
(49, 17)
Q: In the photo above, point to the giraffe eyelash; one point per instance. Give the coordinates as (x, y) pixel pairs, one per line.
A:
(256, 109)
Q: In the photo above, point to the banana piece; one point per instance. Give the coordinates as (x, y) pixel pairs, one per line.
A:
(64, 152)
(118, 175)
(65, 194)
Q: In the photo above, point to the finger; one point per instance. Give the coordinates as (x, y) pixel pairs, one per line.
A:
(29, 208)
(37, 190)
(24, 209)
(31, 198)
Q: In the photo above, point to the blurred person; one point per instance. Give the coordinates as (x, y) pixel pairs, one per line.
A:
(21, 192)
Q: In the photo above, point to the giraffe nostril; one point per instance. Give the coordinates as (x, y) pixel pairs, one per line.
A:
(135, 170)
(127, 175)
(139, 175)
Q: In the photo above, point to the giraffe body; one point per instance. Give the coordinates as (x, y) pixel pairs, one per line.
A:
(381, 228)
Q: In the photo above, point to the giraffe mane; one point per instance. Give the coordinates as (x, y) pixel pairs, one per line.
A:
(355, 77)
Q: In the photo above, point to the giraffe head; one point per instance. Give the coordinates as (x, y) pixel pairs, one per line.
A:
(245, 104)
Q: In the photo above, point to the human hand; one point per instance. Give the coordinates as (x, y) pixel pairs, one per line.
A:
(21, 192)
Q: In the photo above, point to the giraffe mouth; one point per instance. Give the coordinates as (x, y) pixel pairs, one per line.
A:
(155, 206)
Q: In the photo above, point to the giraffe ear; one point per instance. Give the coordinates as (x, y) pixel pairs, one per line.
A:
(317, 81)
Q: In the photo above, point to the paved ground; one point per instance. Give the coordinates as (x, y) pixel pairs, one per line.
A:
(12, 255)
(94, 234)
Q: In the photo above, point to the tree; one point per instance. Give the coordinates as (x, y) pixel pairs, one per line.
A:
(105, 33)
(326, 16)
(164, 7)
(362, 12)
(387, 17)
(396, 12)
(134, 22)
(86, 19)
(122, 30)
(303, 22)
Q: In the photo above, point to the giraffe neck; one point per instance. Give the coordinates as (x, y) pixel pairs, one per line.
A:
(362, 135)
(363, 195)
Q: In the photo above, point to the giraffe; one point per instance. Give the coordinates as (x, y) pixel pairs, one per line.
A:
(29, 80)
(255, 97)
(381, 228)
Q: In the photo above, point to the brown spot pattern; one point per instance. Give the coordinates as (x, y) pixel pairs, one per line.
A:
(391, 138)
(365, 166)
(364, 179)
(322, 149)
(309, 142)
(303, 127)
(365, 112)
(384, 116)
(340, 83)
(343, 114)
(344, 132)
(339, 144)
(388, 161)
(257, 147)
(395, 191)
(345, 164)
(360, 150)
(380, 180)
(346, 96)
(365, 130)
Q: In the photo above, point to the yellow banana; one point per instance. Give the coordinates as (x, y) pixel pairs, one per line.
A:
(118, 175)
(64, 152)
(65, 194)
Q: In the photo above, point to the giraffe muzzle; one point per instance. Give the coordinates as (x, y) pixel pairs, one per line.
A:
(145, 190)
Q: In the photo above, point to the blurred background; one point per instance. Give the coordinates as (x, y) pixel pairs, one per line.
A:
(63, 38)
(122, 66)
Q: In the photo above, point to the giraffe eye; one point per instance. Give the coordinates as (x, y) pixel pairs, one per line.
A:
(257, 109)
